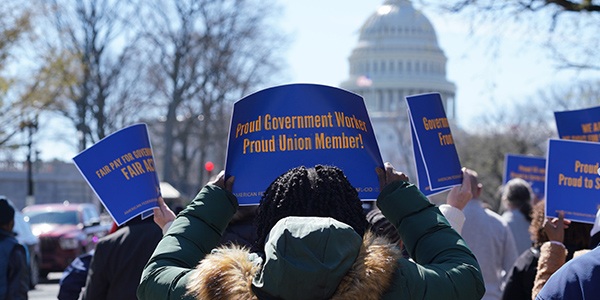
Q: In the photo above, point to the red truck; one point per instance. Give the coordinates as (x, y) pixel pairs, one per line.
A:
(65, 230)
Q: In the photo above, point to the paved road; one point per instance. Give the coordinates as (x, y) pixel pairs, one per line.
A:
(46, 289)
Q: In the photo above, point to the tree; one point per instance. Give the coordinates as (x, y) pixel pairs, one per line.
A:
(204, 55)
(582, 94)
(15, 23)
(558, 6)
(485, 151)
(521, 129)
(568, 29)
(87, 58)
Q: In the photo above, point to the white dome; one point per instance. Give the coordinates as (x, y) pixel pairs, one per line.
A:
(398, 52)
(397, 55)
(397, 24)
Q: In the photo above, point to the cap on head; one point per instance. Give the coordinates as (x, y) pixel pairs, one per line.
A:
(7, 212)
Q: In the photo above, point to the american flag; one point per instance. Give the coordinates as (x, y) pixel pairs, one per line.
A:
(364, 81)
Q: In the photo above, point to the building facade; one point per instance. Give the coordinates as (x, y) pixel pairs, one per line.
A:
(397, 55)
(53, 182)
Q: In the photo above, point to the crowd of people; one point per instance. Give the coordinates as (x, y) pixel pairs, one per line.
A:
(312, 238)
(313, 242)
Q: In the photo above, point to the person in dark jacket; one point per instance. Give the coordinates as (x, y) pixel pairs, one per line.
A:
(74, 276)
(577, 279)
(241, 230)
(119, 259)
(14, 274)
(521, 277)
(313, 243)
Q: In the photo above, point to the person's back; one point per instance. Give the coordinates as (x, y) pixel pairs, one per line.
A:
(518, 225)
(14, 279)
(490, 239)
(313, 243)
(488, 236)
(577, 279)
(241, 230)
(119, 259)
(517, 199)
(74, 276)
(519, 280)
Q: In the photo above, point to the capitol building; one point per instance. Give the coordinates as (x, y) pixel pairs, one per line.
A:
(397, 55)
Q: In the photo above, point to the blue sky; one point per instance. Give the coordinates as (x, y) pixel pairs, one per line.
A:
(323, 34)
(487, 78)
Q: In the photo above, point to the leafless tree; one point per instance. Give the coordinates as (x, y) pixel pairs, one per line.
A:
(558, 6)
(521, 129)
(484, 151)
(583, 94)
(566, 28)
(88, 50)
(203, 55)
(15, 23)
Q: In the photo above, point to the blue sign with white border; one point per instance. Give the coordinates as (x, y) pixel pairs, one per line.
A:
(529, 168)
(283, 127)
(435, 147)
(120, 169)
(581, 125)
(572, 180)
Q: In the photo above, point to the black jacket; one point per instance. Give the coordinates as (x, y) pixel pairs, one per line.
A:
(522, 275)
(14, 275)
(119, 259)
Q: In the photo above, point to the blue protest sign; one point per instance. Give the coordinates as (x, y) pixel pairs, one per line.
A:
(422, 179)
(283, 127)
(529, 168)
(120, 169)
(572, 181)
(434, 144)
(581, 125)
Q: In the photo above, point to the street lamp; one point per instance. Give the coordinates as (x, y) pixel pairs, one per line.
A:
(31, 126)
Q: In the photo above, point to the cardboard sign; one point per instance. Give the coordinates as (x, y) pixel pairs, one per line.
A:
(529, 168)
(436, 158)
(572, 180)
(283, 127)
(581, 125)
(120, 169)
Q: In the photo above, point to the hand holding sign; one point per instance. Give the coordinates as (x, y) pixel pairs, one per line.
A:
(555, 227)
(389, 175)
(459, 196)
(163, 214)
(222, 183)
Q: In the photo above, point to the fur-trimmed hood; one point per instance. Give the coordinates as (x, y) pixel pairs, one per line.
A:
(305, 258)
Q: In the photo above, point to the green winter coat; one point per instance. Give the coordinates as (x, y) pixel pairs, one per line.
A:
(312, 257)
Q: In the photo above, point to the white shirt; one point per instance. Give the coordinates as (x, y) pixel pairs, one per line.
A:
(490, 239)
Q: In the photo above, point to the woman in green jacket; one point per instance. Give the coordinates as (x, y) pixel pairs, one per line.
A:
(312, 244)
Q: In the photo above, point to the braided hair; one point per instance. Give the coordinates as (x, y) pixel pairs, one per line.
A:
(322, 191)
